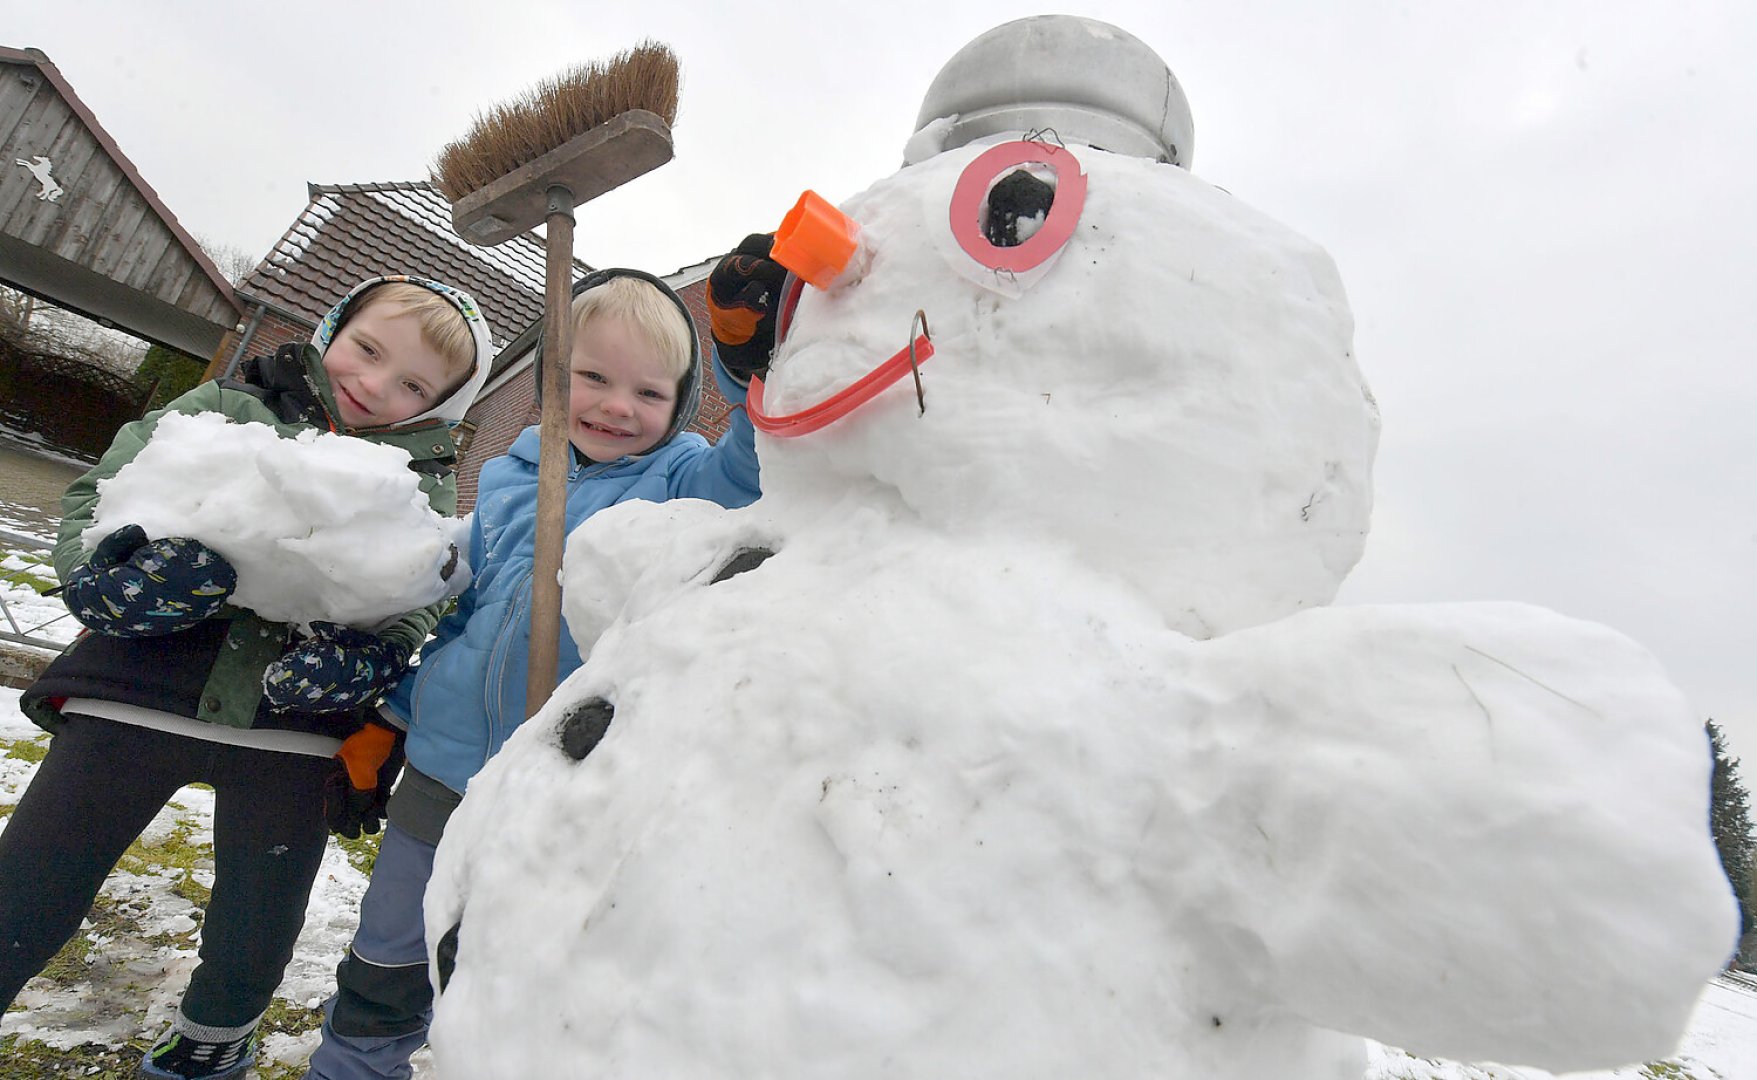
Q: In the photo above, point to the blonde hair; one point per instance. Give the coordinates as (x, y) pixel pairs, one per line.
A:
(442, 325)
(646, 308)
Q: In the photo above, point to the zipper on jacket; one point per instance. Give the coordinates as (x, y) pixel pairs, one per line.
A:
(497, 663)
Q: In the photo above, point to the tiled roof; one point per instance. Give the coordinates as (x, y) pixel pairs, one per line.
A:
(351, 232)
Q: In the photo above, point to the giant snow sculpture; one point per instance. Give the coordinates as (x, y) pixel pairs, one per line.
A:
(1010, 735)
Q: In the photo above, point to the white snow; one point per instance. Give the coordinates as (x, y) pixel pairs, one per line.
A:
(1034, 751)
(1721, 1041)
(36, 616)
(319, 526)
(930, 140)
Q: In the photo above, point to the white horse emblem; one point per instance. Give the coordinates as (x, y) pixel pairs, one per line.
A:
(39, 167)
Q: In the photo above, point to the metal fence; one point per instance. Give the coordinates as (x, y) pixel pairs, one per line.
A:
(13, 630)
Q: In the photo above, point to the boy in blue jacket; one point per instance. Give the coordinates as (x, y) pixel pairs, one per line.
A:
(634, 389)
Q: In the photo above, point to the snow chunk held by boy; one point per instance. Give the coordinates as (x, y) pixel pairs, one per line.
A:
(319, 527)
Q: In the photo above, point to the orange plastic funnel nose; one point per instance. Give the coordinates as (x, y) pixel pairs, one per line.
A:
(816, 240)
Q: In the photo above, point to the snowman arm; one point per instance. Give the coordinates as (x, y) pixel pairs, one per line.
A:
(636, 554)
(79, 503)
(1508, 802)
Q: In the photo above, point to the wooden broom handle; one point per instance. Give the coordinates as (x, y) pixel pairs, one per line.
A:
(552, 459)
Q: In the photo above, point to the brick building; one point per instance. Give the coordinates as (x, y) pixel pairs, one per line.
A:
(351, 232)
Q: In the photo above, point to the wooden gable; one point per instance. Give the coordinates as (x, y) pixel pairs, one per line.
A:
(80, 228)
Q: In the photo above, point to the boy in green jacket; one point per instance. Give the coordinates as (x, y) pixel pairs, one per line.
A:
(171, 685)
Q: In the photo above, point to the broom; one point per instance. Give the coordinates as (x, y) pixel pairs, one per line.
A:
(528, 162)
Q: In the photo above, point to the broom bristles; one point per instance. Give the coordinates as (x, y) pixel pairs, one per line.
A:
(554, 111)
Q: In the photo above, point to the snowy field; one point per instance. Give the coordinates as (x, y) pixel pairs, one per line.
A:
(90, 1014)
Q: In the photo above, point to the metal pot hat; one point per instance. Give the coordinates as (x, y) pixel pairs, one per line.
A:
(1088, 80)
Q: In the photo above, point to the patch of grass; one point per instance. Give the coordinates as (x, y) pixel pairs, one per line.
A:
(1667, 1070)
(38, 574)
(33, 1060)
(362, 853)
(193, 891)
(199, 786)
(72, 965)
(165, 939)
(174, 852)
(6, 809)
(285, 1018)
(32, 750)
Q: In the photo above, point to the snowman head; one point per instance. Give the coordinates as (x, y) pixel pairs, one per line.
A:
(1137, 370)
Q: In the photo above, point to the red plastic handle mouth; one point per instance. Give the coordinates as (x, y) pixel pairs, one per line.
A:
(835, 407)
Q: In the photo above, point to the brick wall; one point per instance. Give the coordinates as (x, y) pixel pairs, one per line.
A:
(711, 421)
(501, 415)
(498, 418)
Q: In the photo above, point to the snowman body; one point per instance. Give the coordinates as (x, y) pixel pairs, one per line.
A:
(1031, 748)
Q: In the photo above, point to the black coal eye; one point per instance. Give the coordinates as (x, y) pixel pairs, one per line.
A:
(1016, 206)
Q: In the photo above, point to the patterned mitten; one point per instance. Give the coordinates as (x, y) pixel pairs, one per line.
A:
(336, 669)
(134, 587)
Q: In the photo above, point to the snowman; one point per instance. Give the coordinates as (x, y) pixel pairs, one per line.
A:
(1010, 733)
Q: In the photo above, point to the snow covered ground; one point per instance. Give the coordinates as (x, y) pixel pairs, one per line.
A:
(118, 982)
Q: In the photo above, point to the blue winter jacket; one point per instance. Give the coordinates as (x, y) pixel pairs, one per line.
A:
(468, 694)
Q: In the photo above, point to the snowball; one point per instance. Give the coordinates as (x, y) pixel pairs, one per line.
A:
(319, 526)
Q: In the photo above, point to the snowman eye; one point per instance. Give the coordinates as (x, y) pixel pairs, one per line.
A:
(1016, 205)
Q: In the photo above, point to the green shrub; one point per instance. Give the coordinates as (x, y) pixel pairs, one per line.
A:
(177, 373)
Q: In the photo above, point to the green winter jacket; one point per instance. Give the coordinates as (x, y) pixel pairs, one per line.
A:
(232, 691)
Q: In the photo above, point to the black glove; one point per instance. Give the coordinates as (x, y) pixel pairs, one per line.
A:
(358, 787)
(743, 293)
(336, 669)
(133, 587)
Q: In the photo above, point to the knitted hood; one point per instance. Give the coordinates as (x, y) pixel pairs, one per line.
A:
(458, 402)
(689, 388)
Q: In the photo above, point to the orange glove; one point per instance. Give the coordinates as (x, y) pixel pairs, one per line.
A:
(369, 760)
(743, 292)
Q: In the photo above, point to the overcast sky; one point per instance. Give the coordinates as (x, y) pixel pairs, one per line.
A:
(1544, 214)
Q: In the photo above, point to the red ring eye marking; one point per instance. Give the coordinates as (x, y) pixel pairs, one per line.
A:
(1064, 211)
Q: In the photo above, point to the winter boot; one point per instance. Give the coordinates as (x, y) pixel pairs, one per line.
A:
(192, 1051)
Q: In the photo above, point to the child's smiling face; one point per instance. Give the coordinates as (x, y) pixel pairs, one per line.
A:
(621, 398)
(382, 370)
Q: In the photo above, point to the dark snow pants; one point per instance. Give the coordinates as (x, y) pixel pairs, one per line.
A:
(100, 785)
